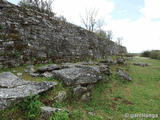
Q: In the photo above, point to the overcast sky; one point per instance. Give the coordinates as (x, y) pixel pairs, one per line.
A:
(137, 21)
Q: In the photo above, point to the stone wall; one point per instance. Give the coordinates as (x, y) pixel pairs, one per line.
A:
(28, 36)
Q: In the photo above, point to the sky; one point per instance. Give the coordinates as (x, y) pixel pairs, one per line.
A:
(136, 21)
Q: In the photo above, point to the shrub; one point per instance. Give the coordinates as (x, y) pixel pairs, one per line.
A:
(154, 54)
(146, 54)
(131, 54)
(31, 106)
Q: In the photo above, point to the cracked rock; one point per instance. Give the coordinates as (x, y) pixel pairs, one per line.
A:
(13, 89)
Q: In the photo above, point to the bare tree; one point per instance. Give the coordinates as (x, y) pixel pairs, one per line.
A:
(109, 34)
(89, 20)
(119, 41)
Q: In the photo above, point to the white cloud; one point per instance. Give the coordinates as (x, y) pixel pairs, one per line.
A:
(138, 35)
(73, 9)
(142, 34)
(151, 9)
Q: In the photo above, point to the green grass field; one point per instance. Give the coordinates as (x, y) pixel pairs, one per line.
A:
(111, 100)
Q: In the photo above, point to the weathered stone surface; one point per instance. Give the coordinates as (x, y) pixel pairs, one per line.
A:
(105, 69)
(79, 90)
(13, 89)
(28, 36)
(47, 74)
(61, 96)
(120, 61)
(141, 64)
(34, 74)
(48, 68)
(86, 96)
(30, 69)
(124, 76)
(78, 74)
(109, 60)
(47, 112)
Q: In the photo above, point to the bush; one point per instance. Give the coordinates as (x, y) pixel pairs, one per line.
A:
(154, 54)
(31, 107)
(146, 54)
(131, 54)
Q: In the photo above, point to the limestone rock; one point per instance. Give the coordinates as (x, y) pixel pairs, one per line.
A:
(123, 75)
(47, 74)
(30, 69)
(47, 112)
(86, 96)
(34, 74)
(79, 90)
(141, 64)
(78, 75)
(120, 61)
(48, 68)
(61, 96)
(45, 39)
(13, 89)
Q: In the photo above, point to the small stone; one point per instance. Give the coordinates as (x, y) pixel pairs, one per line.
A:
(86, 96)
(90, 113)
(47, 75)
(34, 74)
(120, 61)
(47, 112)
(61, 96)
(123, 75)
(19, 74)
(79, 90)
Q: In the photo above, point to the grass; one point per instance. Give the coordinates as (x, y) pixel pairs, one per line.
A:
(111, 100)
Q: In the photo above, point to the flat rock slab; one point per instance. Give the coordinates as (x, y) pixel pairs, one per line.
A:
(78, 75)
(13, 89)
(48, 68)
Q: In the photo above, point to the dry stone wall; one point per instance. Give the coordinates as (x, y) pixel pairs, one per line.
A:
(28, 36)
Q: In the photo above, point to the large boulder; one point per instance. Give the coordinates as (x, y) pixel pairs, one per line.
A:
(123, 75)
(13, 89)
(78, 75)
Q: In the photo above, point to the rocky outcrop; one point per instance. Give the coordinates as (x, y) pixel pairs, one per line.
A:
(81, 77)
(28, 36)
(13, 89)
(73, 74)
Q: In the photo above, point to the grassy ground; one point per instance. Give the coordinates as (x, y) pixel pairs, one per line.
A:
(111, 100)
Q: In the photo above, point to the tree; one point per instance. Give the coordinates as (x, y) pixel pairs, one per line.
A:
(109, 34)
(89, 20)
(119, 41)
